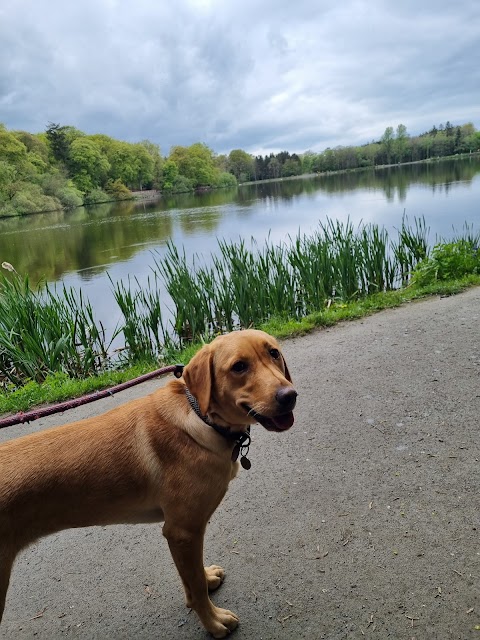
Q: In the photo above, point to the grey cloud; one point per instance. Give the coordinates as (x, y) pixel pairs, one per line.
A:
(259, 76)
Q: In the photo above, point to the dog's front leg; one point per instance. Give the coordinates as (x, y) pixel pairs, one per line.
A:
(186, 547)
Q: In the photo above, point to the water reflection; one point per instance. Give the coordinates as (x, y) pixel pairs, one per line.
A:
(81, 245)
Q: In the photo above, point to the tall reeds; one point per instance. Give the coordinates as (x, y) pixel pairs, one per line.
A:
(44, 330)
(240, 285)
(245, 285)
(410, 248)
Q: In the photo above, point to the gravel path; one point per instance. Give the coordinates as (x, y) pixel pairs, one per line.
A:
(361, 522)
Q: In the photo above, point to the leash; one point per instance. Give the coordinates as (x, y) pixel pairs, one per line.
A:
(35, 414)
(240, 439)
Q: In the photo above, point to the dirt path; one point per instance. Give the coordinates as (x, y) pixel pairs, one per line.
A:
(361, 522)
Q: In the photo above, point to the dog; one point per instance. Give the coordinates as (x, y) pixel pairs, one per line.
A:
(167, 457)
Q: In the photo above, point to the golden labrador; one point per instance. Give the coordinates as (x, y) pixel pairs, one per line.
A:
(166, 457)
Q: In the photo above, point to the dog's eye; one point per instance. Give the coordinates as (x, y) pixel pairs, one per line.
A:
(239, 366)
(275, 353)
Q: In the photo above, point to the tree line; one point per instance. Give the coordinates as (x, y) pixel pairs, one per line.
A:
(63, 167)
(395, 146)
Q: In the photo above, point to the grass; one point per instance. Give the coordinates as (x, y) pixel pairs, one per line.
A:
(51, 344)
(59, 386)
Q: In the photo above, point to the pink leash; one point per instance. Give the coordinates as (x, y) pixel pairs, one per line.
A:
(35, 414)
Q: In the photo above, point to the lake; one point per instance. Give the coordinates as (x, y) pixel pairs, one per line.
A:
(80, 247)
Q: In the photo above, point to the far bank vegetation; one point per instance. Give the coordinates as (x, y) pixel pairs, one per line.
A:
(63, 167)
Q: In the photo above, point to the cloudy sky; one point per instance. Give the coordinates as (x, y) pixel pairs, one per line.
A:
(258, 75)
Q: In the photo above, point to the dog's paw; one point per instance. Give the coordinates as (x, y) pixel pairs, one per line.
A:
(215, 576)
(222, 623)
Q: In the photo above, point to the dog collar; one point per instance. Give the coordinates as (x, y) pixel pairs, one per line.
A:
(240, 439)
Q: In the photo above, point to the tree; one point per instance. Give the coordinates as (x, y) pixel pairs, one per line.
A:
(60, 140)
(88, 165)
(241, 165)
(154, 152)
(132, 164)
(11, 149)
(221, 162)
(195, 162)
(401, 143)
(449, 129)
(387, 142)
(307, 159)
(366, 155)
(7, 175)
(260, 168)
(274, 167)
(291, 167)
(330, 160)
(121, 163)
(143, 164)
(169, 175)
(347, 157)
(35, 144)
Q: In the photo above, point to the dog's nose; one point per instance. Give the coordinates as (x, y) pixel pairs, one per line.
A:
(286, 397)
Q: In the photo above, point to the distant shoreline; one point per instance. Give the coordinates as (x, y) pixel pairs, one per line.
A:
(457, 156)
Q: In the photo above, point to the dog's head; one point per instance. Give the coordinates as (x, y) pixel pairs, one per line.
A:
(242, 378)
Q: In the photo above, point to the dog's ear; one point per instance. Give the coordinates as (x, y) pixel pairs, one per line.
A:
(287, 372)
(198, 376)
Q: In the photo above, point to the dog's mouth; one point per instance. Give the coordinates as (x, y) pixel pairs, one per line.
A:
(277, 423)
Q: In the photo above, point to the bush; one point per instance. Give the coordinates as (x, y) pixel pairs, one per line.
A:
(182, 184)
(118, 190)
(70, 197)
(7, 209)
(448, 262)
(30, 198)
(56, 185)
(95, 196)
(226, 180)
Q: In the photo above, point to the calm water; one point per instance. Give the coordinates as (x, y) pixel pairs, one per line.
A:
(80, 247)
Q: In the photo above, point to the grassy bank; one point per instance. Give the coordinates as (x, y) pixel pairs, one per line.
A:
(59, 386)
(52, 347)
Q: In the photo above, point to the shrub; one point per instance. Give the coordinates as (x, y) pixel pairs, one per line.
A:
(70, 197)
(118, 190)
(58, 186)
(182, 184)
(226, 180)
(448, 261)
(95, 196)
(7, 209)
(29, 198)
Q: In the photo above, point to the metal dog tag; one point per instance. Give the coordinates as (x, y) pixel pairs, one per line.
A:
(245, 462)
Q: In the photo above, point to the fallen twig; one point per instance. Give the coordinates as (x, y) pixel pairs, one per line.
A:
(39, 614)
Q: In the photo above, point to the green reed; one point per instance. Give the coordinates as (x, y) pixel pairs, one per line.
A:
(145, 335)
(242, 284)
(43, 331)
(192, 308)
(312, 261)
(410, 248)
(377, 268)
